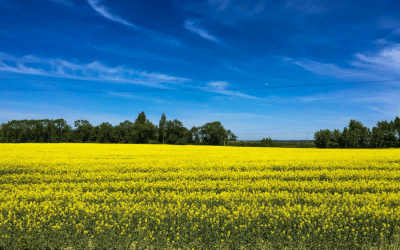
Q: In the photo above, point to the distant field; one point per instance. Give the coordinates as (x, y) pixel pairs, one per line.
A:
(54, 196)
(281, 144)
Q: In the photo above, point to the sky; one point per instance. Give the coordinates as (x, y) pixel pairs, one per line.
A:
(274, 69)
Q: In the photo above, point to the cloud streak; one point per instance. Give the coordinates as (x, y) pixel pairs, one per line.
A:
(221, 87)
(103, 11)
(192, 25)
(381, 65)
(94, 71)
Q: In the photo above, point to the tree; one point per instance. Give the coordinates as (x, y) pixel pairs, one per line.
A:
(162, 128)
(61, 130)
(145, 130)
(335, 138)
(125, 133)
(2, 135)
(192, 136)
(357, 135)
(231, 136)
(396, 126)
(322, 138)
(213, 133)
(175, 132)
(106, 133)
(82, 131)
(384, 134)
(267, 142)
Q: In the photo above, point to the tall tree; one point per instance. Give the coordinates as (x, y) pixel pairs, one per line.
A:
(384, 135)
(82, 131)
(106, 133)
(162, 126)
(396, 125)
(358, 135)
(125, 133)
(146, 130)
(175, 132)
(335, 138)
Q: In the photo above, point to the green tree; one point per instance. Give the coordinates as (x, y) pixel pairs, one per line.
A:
(82, 131)
(192, 136)
(384, 135)
(125, 133)
(2, 134)
(106, 133)
(175, 132)
(231, 136)
(267, 142)
(335, 138)
(343, 138)
(60, 131)
(358, 136)
(162, 126)
(145, 130)
(213, 133)
(396, 125)
(322, 138)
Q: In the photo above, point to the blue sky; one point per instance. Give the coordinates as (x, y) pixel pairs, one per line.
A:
(274, 69)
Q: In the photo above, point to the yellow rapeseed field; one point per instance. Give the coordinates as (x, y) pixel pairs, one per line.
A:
(54, 196)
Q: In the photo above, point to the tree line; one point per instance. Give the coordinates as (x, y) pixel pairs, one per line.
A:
(139, 131)
(384, 135)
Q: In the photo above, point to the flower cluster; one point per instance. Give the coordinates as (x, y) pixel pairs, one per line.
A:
(116, 196)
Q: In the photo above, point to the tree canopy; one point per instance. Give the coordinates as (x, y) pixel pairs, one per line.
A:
(139, 131)
(384, 135)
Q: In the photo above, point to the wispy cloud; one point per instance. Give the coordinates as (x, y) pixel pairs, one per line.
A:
(389, 23)
(221, 4)
(221, 87)
(125, 95)
(192, 25)
(380, 65)
(94, 71)
(103, 11)
(386, 59)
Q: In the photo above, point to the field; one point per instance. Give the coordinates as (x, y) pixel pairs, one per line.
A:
(99, 196)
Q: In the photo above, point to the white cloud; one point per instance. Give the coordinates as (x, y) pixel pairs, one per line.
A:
(308, 99)
(386, 59)
(381, 65)
(94, 71)
(103, 11)
(221, 88)
(192, 25)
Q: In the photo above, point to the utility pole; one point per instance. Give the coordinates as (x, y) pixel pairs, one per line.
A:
(307, 137)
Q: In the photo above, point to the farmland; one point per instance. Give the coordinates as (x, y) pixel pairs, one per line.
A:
(54, 196)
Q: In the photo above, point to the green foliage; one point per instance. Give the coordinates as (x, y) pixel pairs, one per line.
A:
(322, 138)
(213, 133)
(175, 132)
(146, 130)
(231, 136)
(384, 135)
(267, 142)
(140, 131)
(162, 127)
